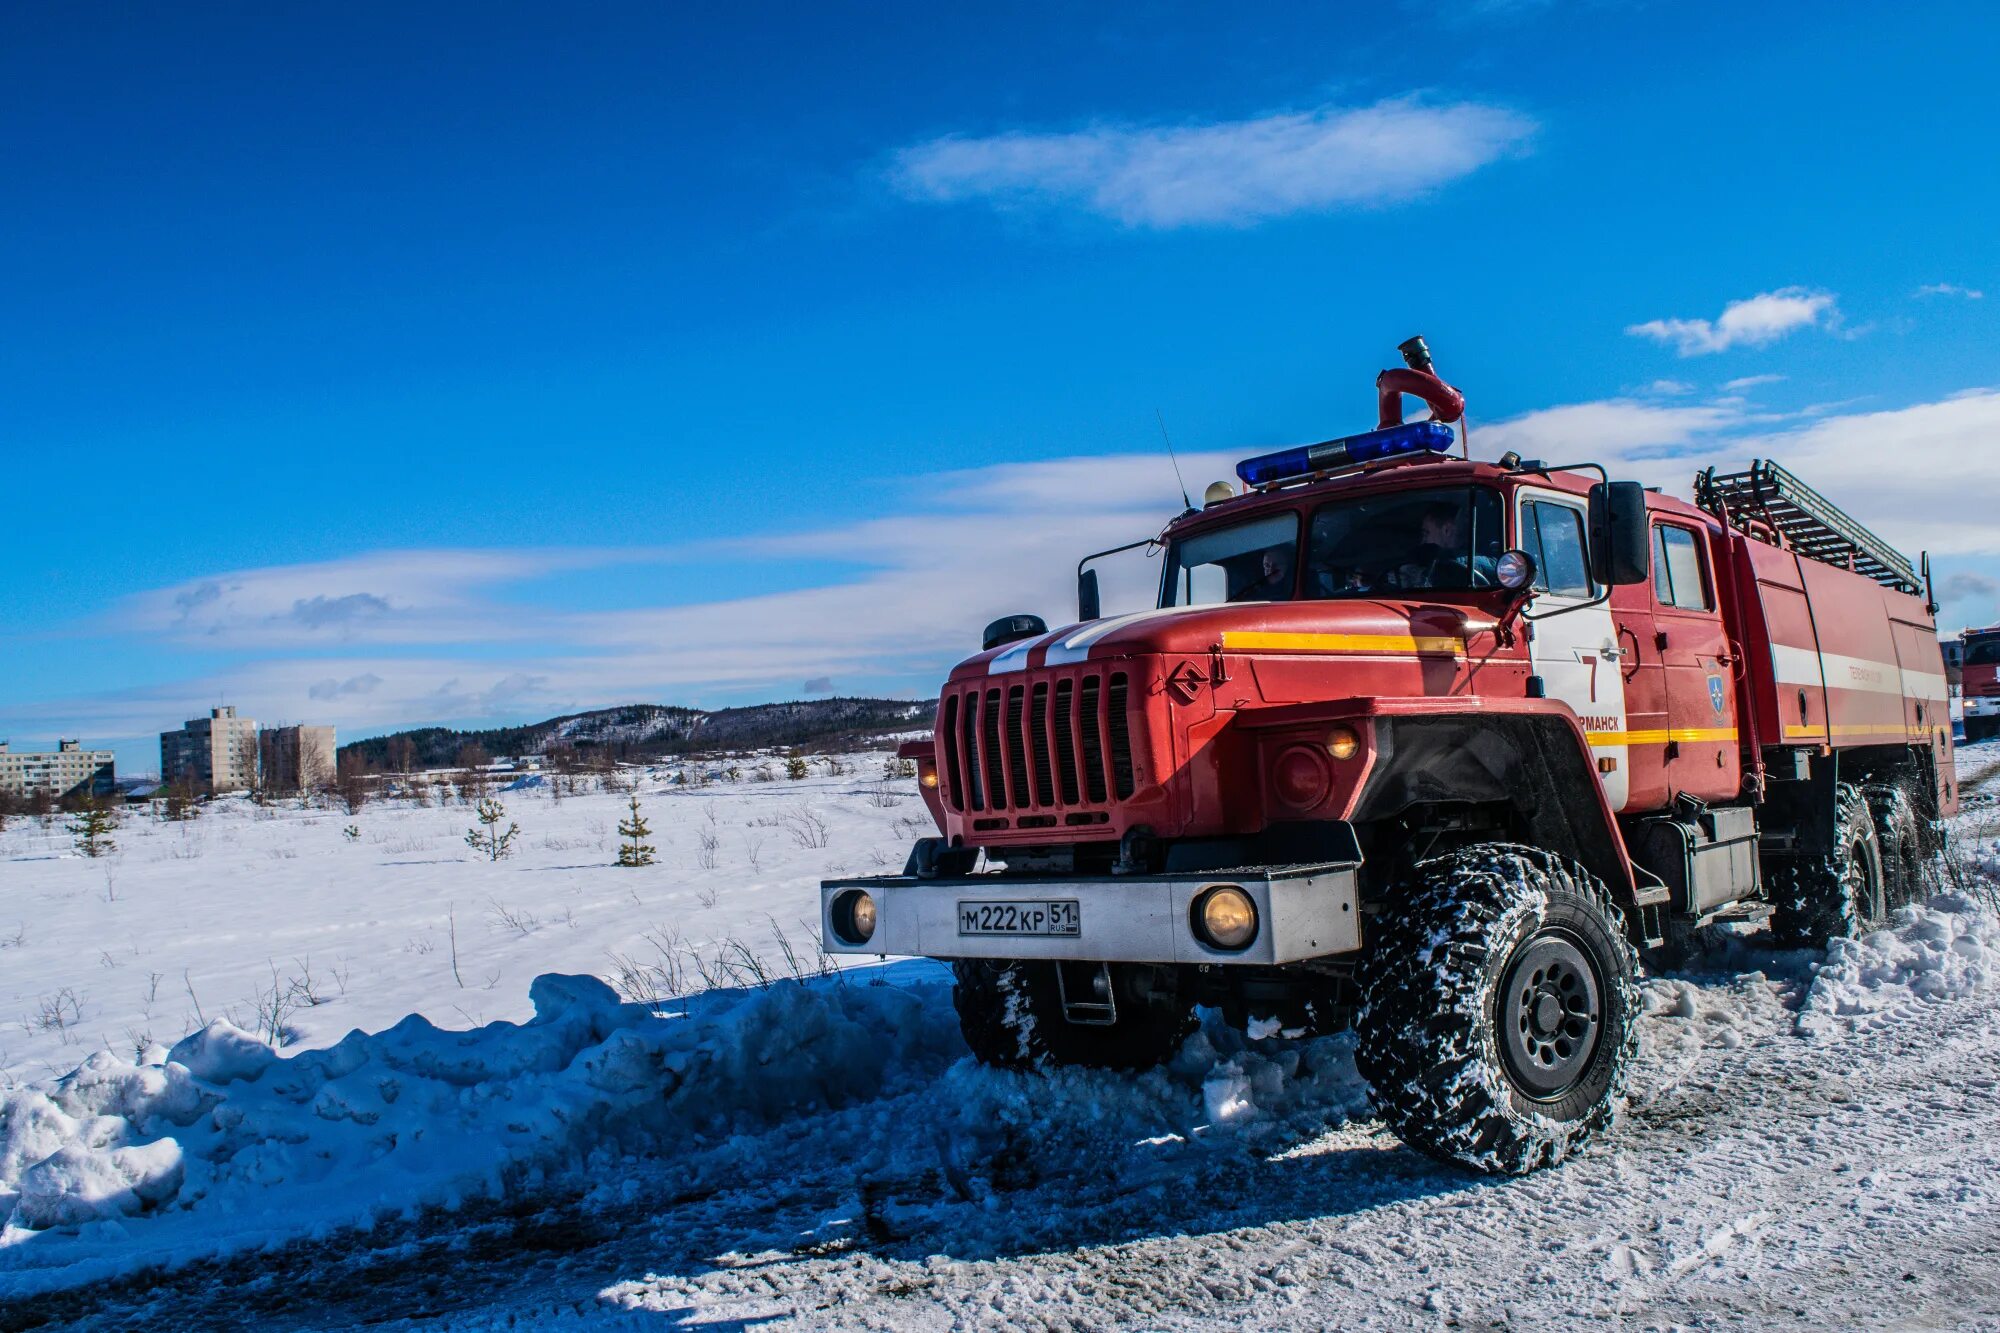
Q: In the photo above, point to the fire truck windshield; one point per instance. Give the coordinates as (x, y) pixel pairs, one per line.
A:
(1983, 652)
(1438, 539)
(1435, 540)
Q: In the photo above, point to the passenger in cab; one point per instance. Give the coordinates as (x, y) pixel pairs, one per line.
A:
(1274, 580)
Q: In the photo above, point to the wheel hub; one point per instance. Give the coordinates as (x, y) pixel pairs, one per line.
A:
(1551, 1015)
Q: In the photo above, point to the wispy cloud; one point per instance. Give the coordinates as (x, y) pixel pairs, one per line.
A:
(1231, 173)
(383, 597)
(1949, 289)
(1842, 455)
(1754, 322)
(1750, 382)
(983, 543)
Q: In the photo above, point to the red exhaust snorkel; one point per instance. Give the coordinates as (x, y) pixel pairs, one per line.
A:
(1420, 380)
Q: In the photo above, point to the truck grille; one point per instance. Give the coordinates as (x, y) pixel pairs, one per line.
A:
(1048, 748)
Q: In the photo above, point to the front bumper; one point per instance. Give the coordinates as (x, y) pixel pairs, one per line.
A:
(1985, 705)
(1303, 911)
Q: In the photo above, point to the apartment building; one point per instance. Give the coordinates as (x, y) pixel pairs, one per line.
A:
(213, 754)
(67, 770)
(296, 758)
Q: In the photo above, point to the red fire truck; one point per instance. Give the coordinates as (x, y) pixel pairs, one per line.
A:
(1979, 683)
(1433, 747)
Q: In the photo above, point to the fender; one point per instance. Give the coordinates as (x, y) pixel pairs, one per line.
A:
(1530, 754)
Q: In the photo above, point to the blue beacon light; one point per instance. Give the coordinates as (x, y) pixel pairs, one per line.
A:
(1417, 437)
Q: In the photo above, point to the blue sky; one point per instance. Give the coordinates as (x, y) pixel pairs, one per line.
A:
(401, 365)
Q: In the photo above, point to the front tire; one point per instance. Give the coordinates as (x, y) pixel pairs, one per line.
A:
(1499, 1014)
(1011, 1014)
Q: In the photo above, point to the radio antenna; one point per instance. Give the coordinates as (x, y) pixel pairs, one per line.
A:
(1185, 498)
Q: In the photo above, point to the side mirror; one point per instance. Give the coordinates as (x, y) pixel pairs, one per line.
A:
(1619, 541)
(1087, 607)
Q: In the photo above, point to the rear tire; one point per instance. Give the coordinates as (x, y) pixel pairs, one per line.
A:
(1499, 1014)
(1837, 894)
(1899, 837)
(1011, 1014)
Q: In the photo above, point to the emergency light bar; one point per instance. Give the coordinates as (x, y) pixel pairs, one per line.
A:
(1418, 437)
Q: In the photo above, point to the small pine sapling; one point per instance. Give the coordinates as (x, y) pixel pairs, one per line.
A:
(635, 851)
(352, 833)
(91, 827)
(181, 804)
(796, 768)
(489, 839)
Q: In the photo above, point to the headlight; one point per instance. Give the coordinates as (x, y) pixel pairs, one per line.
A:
(929, 779)
(854, 917)
(1342, 743)
(1225, 917)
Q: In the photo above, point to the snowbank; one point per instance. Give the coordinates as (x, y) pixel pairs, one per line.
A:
(221, 1143)
(1942, 950)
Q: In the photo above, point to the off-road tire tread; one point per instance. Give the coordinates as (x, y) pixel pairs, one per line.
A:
(1010, 1013)
(1435, 1069)
(1812, 897)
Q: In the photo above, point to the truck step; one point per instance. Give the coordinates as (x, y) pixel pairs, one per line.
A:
(1087, 997)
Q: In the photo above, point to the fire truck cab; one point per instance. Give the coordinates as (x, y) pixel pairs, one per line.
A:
(1430, 746)
(1979, 683)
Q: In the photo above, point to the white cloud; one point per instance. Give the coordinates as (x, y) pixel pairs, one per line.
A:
(1754, 322)
(1923, 477)
(382, 597)
(1232, 173)
(1949, 289)
(1614, 427)
(1750, 382)
(980, 544)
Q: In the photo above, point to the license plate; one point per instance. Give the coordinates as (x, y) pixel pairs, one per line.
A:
(1061, 917)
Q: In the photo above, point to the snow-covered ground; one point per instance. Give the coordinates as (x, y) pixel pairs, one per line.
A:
(191, 921)
(1811, 1141)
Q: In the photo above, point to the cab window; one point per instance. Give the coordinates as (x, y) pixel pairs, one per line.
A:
(1553, 535)
(1677, 572)
(1245, 562)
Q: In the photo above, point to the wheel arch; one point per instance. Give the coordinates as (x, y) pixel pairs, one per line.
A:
(1534, 760)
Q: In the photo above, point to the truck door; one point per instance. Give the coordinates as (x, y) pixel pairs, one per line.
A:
(1576, 652)
(1702, 757)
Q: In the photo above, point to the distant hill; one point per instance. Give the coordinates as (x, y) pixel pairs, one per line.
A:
(648, 731)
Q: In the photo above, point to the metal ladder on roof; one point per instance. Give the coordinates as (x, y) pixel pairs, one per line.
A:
(1810, 523)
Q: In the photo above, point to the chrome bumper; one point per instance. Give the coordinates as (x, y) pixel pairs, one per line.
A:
(1303, 911)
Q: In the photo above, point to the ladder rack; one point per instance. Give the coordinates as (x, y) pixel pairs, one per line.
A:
(1810, 523)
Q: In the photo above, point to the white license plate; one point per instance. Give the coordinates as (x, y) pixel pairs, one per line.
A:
(1060, 917)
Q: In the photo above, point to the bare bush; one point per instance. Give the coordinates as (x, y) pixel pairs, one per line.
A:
(710, 841)
(59, 1013)
(884, 796)
(506, 918)
(670, 968)
(805, 825)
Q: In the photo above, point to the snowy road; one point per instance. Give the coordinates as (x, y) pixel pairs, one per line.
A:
(1772, 1171)
(1811, 1141)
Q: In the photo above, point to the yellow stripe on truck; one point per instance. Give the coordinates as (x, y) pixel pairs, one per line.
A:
(1251, 640)
(1684, 735)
